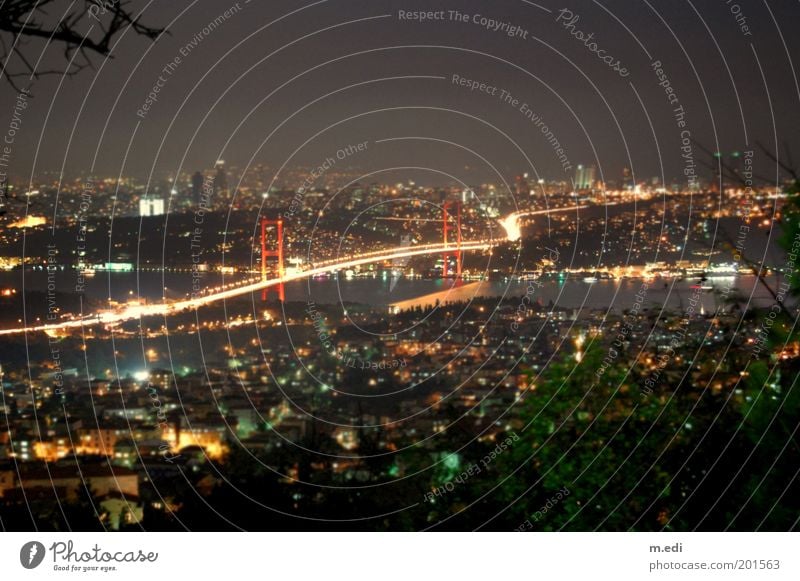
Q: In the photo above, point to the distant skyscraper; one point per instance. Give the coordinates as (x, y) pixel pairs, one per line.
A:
(151, 207)
(584, 177)
(221, 178)
(522, 185)
(197, 187)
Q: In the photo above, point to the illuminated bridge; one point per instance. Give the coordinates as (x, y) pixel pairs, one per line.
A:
(131, 312)
(137, 311)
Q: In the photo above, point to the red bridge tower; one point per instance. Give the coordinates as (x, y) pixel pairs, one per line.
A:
(277, 254)
(455, 253)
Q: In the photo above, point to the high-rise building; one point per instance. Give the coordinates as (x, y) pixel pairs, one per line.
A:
(197, 187)
(522, 185)
(627, 177)
(151, 207)
(221, 178)
(584, 177)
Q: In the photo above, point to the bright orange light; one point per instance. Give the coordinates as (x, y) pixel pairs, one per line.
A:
(28, 222)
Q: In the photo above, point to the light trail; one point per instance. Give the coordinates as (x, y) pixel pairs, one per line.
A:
(511, 222)
(132, 312)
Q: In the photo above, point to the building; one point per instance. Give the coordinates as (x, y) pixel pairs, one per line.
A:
(151, 207)
(220, 179)
(585, 177)
(115, 489)
(197, 186)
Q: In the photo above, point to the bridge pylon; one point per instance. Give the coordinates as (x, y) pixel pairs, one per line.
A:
(274, 252)
(445, 229)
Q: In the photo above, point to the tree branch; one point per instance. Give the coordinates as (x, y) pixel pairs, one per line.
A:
(17, 20)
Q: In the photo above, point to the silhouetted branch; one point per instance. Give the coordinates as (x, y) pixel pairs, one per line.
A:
(76, 31)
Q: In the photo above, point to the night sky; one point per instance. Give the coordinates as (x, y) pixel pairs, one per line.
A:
(278, 82)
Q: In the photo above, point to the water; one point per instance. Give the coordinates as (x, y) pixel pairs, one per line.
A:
(382, 292)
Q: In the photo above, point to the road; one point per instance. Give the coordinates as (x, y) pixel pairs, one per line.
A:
(131, 312)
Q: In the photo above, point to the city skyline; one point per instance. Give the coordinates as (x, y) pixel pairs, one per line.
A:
(562, 95)
(372, 266)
